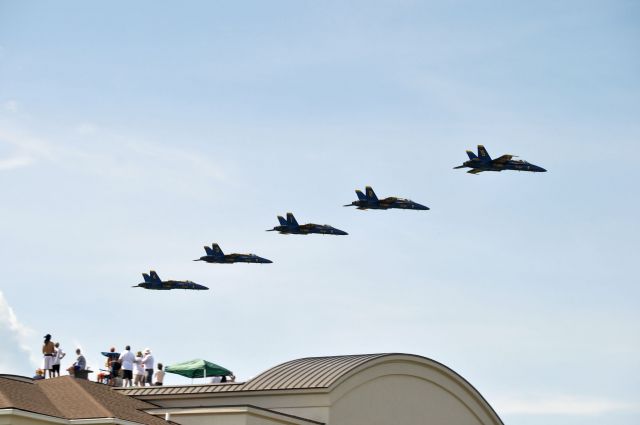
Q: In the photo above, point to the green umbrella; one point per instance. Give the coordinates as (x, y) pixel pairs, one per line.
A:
(198, 368)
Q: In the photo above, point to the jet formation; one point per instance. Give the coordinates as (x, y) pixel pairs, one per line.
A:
(153, 281)
(369, 200)
(215, 255)
(290, 226)
(483, 162)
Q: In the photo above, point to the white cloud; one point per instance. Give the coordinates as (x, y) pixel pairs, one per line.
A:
(16, 355)
(562, 405)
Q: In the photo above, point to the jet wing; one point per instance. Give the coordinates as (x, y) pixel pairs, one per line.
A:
(502, 159)
(474, 171)
(388, 201)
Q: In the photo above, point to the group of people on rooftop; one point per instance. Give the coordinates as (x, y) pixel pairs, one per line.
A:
(126, 368)
(53, 354)
(131, 369)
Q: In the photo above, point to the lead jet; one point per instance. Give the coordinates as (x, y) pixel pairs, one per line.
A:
(215, 255)
(153, 281)
(369, 200)
(291, 226)
(483, 162)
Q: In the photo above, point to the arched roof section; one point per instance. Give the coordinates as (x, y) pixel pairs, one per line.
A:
(308, 373)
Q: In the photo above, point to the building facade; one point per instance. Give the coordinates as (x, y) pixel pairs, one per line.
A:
(375, 389)
(370, 389)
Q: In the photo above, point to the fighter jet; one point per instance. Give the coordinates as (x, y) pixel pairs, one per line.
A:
(291, 226)
(483, 162)
(215, 255)
(371, 201)
(153, 281)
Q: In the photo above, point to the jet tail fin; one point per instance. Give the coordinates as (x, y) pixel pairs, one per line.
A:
(282, 221)
(471, 155)
(154, 276)
(291, 220)
(361, 196)
(483, 154)
(216, 250)
(146, 277)
(370, 193)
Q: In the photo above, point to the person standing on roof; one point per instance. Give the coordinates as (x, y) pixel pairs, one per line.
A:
(138, 375)
(126, 359)
(57, 356)
(48, 350)
(148, 363)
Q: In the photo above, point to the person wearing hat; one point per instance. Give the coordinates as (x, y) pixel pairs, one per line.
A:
(48, 350)
(148, 363)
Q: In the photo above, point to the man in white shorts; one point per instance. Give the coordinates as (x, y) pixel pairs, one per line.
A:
(48, 350)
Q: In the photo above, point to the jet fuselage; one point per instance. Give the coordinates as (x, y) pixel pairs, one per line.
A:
(517, 165)
(388, 203)
(305, 229)
(172, 284)
(234, 258)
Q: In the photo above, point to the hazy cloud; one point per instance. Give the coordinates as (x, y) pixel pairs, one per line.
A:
(91, 149)
(10, 105)
(24, 149)
(15, 353)
(15, 162)
(86, 129)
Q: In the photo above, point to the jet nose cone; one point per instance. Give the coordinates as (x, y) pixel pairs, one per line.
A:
(540, 169)
(421, 207)
(267, 261)
(341, 232)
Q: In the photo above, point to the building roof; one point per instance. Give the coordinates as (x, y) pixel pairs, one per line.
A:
(309, 372)
(302, 374)
(69, 398)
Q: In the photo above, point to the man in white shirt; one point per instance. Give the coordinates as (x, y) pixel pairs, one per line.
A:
(58, 355)
(148, 362)
(126, 359)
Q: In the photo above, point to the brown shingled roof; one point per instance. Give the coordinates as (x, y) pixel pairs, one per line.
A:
(69, 398)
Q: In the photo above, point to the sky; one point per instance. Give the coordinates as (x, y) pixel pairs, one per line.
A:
(134, 133)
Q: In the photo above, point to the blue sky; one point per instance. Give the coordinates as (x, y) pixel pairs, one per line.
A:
(133, 134)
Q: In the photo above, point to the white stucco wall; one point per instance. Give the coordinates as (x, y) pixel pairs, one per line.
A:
(400, 400)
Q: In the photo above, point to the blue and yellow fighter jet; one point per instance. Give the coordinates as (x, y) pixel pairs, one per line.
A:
(483, 162)
(369, 200)
(215, 255)
(291, 226)
(153, 281)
